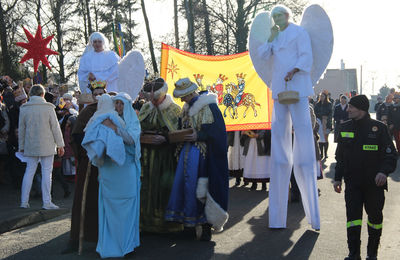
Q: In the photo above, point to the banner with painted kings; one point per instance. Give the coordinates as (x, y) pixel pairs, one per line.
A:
(244, 99)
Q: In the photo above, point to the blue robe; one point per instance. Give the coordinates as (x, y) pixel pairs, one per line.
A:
(119, 207)
(183, 205)
(119, 193)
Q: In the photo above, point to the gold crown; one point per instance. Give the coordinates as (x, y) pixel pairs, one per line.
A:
(222, 77)
(198, 77)
(98, 84)
(241, 75)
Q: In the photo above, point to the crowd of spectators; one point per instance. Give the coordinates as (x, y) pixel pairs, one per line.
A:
(12, 168)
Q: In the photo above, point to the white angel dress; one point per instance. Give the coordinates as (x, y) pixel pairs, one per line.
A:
(307, 47)
(122, 75)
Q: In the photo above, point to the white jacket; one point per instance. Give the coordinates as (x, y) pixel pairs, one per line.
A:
(39, 132)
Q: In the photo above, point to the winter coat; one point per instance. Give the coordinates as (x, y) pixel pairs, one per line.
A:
(324, 109)
(39, 132)
(340, 114)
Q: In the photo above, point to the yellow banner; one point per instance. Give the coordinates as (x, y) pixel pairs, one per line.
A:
(244, 99)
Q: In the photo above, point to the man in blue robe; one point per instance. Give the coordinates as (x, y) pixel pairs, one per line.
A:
(199, 196)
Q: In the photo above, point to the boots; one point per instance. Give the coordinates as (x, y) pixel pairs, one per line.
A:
(321, 149)
(237, 183)
(353, 242)
(264, 186)
(374, 236)
(206, 232)
(354, 250)
(326, 149)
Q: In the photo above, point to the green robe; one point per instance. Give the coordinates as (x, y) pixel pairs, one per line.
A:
(158, 166)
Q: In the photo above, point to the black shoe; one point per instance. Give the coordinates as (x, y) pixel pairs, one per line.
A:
(264, 186)
(237, 183)
(371, 258)
(206, 232)
(253, 186)
(353, 258)
(72, 247)
(66, 194)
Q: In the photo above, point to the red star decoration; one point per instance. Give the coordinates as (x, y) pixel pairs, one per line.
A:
(172, 68)
(37, 48)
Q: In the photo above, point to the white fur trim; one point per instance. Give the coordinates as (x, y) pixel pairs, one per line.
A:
(158, 92)
(166, 103)
(215, 215)
(202, 189)
(203, 100)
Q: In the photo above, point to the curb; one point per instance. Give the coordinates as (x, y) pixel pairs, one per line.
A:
(30, 219)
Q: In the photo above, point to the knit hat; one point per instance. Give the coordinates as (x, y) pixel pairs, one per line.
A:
(361, 102)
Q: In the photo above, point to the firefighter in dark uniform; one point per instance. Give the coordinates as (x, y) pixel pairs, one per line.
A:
(365, 156)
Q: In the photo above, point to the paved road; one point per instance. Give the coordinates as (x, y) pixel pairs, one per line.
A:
(246, 235)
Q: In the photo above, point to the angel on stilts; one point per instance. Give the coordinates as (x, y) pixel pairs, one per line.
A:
(290, 59)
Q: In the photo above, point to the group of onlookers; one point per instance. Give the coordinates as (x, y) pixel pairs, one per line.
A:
(18, 99)
(249, 152)
(389, 113)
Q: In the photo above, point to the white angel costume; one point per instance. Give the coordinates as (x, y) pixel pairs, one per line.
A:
(122, 75)
(294, 47)
(103, 65)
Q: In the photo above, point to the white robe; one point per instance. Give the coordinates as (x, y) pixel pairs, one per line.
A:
(104, 66)
(292, 49)
(256, 166)
(235, 154)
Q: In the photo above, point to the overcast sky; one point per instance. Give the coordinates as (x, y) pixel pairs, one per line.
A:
(365, 31)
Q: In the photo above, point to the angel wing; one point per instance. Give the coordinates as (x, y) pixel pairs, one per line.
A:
(131, 74)
(319, 27)
(259, 34)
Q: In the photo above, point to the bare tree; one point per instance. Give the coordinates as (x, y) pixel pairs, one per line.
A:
(64, 30)
(236, 16)
(6, 61)
(207, 32)
(190, 20)
(176, 24)
(151, 47)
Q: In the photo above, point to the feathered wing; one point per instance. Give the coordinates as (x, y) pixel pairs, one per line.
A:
(319, 27)
(131, 74)
(259, 34)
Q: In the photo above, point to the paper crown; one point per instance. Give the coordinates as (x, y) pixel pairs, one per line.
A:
(98, 84)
